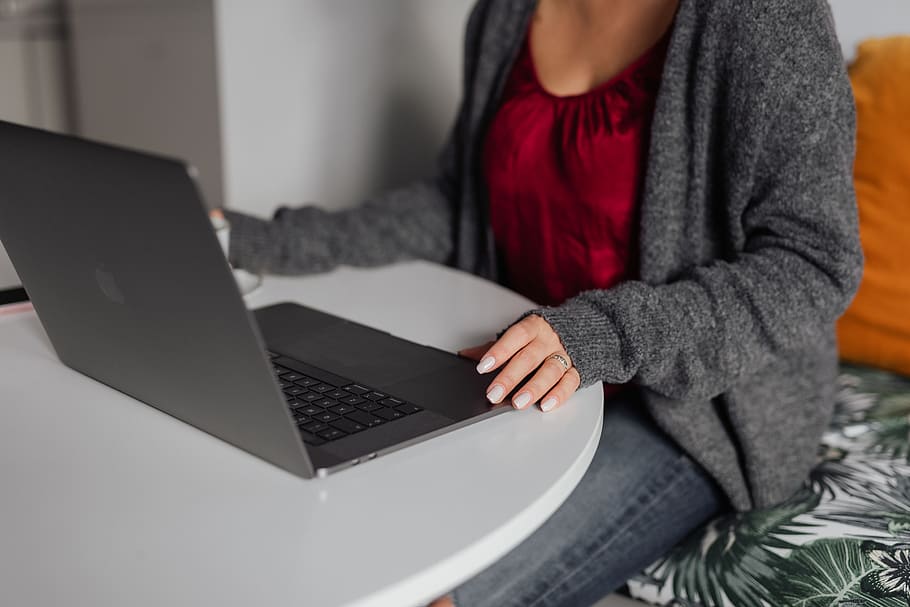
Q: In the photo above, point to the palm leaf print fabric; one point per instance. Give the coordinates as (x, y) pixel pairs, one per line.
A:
(842, 541)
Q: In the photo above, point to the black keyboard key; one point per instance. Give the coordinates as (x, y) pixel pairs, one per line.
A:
(306, 382)
(392, 402)
(388, 414)
(375, 395)
(364, 418)
(325, 403)
(408, 408)
(283, 384)
(292, 376)
(293, 403)
(337, 394)
(342, 409)
(311, 410)
(302, 419)
(368, 405)
(322, 388)
(356, 389)
(315, 427)
(350, 399)
(280, 370)
(325, 416)
(311, 439)
(309, 396)
(294, 390)
(331, 434)
(348, 425)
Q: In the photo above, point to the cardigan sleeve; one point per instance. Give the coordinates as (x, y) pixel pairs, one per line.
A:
(798, 270)
(413, 222)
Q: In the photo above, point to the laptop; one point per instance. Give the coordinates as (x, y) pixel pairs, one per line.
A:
(119, 258)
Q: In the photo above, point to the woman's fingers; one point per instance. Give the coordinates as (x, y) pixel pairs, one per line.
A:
(514, 339)
(563, 391)
(519, 367)
(548, 375)
(527, 347)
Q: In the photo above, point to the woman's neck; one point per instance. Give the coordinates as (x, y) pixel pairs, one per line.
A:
(578, 44)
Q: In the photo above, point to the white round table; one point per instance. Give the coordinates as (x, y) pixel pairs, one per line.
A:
(108, 502)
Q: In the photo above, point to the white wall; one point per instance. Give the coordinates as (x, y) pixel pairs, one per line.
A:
(860, 19)
(333, 100)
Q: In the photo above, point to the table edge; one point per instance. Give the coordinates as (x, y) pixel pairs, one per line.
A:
(475, 558)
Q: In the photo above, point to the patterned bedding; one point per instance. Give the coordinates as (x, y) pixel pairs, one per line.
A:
(842, 541)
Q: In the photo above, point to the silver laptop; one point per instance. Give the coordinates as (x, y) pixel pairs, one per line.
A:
(117, 253)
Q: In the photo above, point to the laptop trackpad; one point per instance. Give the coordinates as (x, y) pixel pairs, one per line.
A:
(358, 352)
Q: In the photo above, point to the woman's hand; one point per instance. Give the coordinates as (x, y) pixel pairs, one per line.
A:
(222, 229)
(527, 346)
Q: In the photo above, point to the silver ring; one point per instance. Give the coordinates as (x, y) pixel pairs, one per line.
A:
(561, 360)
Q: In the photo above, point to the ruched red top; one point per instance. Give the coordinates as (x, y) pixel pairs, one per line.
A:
(565, 175)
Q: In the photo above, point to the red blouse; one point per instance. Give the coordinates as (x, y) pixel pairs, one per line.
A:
(565, 176)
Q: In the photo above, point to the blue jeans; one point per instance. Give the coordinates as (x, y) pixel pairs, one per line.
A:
(640, 496)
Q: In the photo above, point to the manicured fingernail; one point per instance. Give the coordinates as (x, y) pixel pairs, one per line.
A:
(548, 404)
(522, 400)
(486, 364)
(496, 393)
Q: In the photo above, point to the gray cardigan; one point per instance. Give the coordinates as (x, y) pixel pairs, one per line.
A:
(749, 243)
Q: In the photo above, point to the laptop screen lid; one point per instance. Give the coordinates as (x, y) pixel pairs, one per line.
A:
(130, 283)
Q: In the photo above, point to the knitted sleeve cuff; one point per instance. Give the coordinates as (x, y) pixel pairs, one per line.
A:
(250, 241)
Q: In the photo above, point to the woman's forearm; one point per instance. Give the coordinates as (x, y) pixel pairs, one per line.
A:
(409, 223)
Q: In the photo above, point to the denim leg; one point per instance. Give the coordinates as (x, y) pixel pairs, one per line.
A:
(639, 497)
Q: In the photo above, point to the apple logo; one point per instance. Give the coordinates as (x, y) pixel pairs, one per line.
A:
(108, 285)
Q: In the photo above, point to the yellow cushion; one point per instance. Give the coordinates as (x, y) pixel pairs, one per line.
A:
(876, 328)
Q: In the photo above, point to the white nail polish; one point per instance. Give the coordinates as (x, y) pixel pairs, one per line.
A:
(486, 364)
(522, 400)
(495, 395)
(548, 404)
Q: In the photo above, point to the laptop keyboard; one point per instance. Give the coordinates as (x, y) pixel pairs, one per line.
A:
(329, 409)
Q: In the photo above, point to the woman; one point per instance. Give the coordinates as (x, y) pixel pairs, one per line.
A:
(673, 179)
